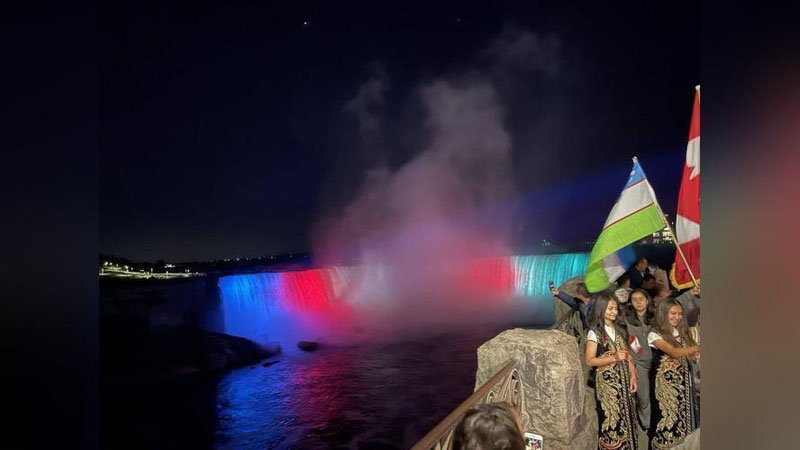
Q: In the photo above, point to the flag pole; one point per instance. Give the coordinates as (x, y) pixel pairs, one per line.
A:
(671, 233)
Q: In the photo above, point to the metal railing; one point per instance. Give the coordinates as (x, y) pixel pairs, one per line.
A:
(509, 390)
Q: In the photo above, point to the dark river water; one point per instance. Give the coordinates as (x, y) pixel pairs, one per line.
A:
(368, 396)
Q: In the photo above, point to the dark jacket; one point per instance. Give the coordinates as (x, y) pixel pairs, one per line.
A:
(637, 277)
(584, 308)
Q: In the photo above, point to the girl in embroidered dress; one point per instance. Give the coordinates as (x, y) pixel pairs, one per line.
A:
(615, 378)
(674, 349)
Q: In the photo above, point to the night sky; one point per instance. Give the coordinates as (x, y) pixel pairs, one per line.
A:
(226, 130)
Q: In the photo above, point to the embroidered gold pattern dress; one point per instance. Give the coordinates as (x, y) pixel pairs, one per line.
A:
(675, 401)
(617, 412)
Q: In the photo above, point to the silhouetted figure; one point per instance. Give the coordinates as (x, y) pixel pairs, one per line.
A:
(582, 301)
(637, 272)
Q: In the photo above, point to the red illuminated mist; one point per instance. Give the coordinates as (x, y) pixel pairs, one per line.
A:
(427, 258)
(429, 250)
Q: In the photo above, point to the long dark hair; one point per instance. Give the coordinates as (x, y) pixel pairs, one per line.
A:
(599, 304)
(488, 426)
(664, 329)
(630, 314)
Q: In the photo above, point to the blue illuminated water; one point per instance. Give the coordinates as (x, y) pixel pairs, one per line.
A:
(320, 303)
(357, 397)
(534, 272)
(365, 396)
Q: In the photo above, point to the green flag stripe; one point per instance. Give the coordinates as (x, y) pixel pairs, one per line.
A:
(618, 235)
(596, 279)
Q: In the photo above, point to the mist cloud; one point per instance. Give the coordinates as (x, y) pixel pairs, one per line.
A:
(517, 50)
(368, 101)
(415, 230)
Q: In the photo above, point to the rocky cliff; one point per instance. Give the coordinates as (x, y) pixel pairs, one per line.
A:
(156, 330)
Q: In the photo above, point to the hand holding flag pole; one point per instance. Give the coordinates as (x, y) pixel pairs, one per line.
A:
(637, 214)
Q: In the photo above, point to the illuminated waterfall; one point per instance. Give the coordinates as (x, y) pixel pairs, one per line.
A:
(249, 304)
(532, 273)
(267, 306)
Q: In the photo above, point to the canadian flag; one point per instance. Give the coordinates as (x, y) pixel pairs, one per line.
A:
(633, 343)
(687, 224)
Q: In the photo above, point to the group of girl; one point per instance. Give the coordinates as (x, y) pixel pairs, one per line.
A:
(642, 356)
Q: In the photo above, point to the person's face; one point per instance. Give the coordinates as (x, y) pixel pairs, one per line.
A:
(674, 315)
(639, 302)
(611, 311)
(642, 264)
(626, 284)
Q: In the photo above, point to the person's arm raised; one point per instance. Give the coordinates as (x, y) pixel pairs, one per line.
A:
(566, 298)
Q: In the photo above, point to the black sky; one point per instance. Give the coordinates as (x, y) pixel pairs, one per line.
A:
(223, 130)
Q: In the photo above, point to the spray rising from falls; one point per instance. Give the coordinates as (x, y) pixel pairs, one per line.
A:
(427, 233)
(346, 304)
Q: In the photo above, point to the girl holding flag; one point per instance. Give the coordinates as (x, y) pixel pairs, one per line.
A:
(673, 349)
(615, 378)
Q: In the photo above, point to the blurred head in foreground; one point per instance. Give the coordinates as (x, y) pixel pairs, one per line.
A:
(490, 426)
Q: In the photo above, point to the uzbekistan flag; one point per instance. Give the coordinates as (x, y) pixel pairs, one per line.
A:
(634, 216)
(687, 224)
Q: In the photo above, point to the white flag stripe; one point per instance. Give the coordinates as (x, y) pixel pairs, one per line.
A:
(686, 229)
(612, 264)
(631, 200)
(693, 157)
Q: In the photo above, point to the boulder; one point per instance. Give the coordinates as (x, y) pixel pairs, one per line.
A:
(226, 351)
(307, 346)
(571, 286)
(560, 308)
(555, 401)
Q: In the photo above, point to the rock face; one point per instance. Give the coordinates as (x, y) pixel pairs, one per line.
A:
(163, 304)
(145, 357)
(555, 400)
(153, 331)
(225, 351)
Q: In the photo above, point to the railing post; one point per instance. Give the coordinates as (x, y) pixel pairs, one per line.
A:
(441, 436)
